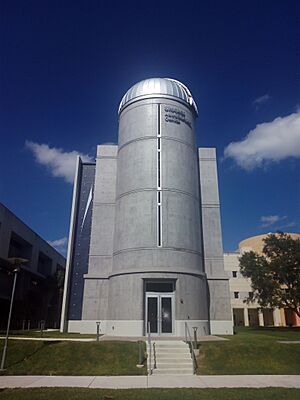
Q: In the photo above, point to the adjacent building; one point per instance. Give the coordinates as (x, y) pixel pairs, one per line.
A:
(38, 296)
(145, 246)
(251, 314)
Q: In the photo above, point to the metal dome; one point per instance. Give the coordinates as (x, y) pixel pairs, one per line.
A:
(158, 87)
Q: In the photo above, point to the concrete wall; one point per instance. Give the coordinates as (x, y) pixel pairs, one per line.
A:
(95, 300)
(135, 248)
(220, 310)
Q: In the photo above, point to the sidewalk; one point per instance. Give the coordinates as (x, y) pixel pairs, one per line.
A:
(47, 339)
(210, 338)
(166, 381)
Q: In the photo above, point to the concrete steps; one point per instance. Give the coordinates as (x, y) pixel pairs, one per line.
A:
(172, 358)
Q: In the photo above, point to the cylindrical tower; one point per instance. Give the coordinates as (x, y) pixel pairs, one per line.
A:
(157, 279)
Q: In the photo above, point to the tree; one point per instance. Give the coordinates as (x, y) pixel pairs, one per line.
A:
(275, 275)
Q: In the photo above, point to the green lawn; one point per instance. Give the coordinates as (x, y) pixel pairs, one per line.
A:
(72, 358)
(47, 334)
(150, 394)
(252, 351)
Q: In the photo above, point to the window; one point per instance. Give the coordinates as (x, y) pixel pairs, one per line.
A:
(236, 295)
(44, 264)
(234, 274)
(160, 286)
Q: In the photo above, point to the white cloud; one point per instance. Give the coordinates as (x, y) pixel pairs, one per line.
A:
(269, 220)
(289, 225)
(60, 244)
(261, 100)
(269, 141)
(59, 163)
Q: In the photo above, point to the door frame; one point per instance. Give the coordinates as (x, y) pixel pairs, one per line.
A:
(159, 295)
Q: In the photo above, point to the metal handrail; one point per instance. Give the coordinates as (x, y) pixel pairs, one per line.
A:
(149, 346)
(154, 355)
(188, 339)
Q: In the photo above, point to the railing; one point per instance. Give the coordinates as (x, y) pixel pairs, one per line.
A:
(188, 339)
(150, 351)
(154, 356)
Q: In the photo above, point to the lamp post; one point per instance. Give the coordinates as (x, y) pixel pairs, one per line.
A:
(16, 263)
(98, 330)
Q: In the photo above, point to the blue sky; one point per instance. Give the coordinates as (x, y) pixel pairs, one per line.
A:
(66, 64)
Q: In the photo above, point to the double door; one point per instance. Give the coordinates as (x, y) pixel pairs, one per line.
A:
(159, 313)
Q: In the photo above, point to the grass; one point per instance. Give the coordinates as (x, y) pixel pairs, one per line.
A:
(252, 351)
(150, 394)
(47, 334)
(72, 358)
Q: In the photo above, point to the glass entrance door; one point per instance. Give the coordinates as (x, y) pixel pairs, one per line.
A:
(152, 313)
(166, 314)
(159, 313)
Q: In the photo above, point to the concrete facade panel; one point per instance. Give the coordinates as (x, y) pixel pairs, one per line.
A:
(99, 266)
(137, 122)
(191, 298)
(209, 177)
(166, 260)
(102, 230)
(95, 299)
(212, 238)
(219, 295)
(106, 170)
(136, 225)
(137, 166)
(178, 122)
(179, 173)
(181, 222)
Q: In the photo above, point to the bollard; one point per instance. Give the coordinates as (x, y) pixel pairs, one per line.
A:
(28, 325)
(195, 337)
(23, 324)
(98, 330)
(42, 327)
(140, 353)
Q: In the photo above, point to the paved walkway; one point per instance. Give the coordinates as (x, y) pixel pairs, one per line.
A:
(47, 339)
(289, 341)
(153, 381)
(210, 338)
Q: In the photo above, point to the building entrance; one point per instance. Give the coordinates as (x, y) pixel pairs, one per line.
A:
(159, 310)
(159, 313)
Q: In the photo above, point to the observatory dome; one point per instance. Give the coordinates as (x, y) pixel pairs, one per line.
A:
(158, 87)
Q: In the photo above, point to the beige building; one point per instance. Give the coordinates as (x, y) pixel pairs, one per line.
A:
(251, 314)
